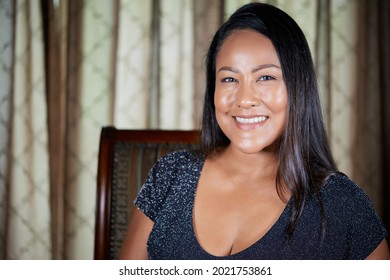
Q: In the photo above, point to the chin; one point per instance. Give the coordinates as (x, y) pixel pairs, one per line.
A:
(255, 148)
(250, 149)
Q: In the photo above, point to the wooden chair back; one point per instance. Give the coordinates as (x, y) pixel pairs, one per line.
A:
(125, 159)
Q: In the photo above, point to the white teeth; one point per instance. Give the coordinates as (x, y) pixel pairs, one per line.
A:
(251, 120)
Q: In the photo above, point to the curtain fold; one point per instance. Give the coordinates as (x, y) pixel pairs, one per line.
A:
(208, 16)
(384, 73)
(88, 100)
(176, 63)
(55, 27)
(7, 16)
(28, 226)
(322, 54)
(367, 151)
(134, 81)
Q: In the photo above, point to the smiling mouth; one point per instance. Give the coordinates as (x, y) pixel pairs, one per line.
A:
(251, 120)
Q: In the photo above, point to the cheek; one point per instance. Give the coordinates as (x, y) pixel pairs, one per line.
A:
(276, 101)
(280, 104)
(281, 100)
(223, 101)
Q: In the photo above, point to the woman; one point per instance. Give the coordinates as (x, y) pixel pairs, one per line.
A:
(265, 185)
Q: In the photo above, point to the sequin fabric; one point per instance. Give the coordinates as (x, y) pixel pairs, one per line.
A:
(353, 229)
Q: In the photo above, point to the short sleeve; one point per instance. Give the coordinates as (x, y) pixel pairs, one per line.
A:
(366, 229)
(154, 191)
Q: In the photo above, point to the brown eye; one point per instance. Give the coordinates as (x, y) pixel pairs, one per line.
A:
(266, 78)
(228, 80)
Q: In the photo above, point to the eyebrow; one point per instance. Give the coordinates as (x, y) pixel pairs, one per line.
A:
(255, 69)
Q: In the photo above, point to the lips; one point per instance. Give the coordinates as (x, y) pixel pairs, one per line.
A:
(251, 120)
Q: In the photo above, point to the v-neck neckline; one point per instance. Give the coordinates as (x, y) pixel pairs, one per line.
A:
(237, 254)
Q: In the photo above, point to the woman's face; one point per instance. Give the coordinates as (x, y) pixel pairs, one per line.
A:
(250, 93)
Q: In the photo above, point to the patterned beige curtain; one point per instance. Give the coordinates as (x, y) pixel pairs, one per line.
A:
(351, 91)
(26, 182)
(6, 74)
(160, 43)
(71, 67)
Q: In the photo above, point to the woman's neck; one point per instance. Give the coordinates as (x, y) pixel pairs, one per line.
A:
(259, 166)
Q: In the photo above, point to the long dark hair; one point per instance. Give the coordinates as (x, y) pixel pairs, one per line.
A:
(304, 158)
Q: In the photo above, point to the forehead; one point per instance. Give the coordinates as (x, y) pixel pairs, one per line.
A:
(244, 43)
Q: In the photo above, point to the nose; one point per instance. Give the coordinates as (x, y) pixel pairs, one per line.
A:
(247, 97)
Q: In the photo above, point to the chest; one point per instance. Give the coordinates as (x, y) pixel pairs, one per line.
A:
(229, 220)
(176, 235)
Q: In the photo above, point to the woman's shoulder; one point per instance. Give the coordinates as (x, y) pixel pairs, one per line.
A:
(340, 189)
(348, 207)
(341, 184)
(180, 157)
(179, 161)
(173, 169)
